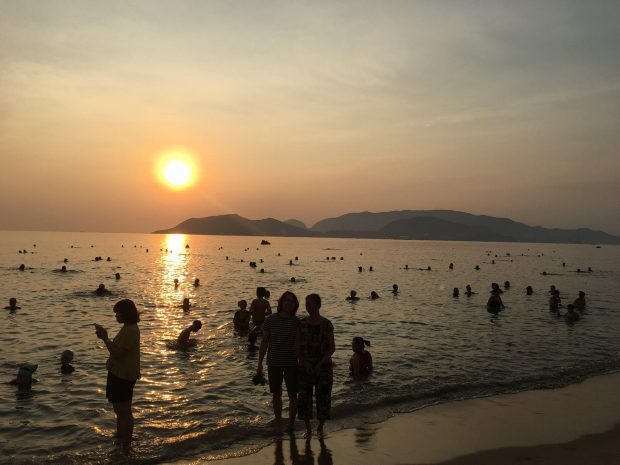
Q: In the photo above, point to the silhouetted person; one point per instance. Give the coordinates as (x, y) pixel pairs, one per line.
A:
(63, 269)
(477, 267)
(185, 305)
(554, 301)
(12, 305)
(580, 302)
(529, 290)
(176, 282)
(394, 289)
(495, 304)
(101, 290)
(183, 340)
(374, 295)
(241, 320)
(65, 362)
(495, 288)
(468, 291)
(451, 266)
(260, 308)
(571, 315)
(293, 279)
(353, 296)
(455, 292)
(196, 282)
(22, 267)
(506, 284)
(117, 275)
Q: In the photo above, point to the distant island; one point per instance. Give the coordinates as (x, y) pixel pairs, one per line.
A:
(441, 225)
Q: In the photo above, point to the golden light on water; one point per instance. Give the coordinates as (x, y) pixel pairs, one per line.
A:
(177, 169)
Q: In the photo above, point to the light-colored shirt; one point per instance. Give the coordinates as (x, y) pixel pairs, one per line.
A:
(127, 366)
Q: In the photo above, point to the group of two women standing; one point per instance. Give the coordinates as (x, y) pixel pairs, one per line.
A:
(299, 353)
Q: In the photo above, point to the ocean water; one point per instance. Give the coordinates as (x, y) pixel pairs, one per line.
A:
(428, 347)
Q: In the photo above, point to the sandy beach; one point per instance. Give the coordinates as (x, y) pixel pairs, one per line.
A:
(578, 424)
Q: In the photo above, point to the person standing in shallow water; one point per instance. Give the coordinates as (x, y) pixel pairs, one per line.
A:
(315, 346)
(260, 308)
(279, 332)
(123, 367)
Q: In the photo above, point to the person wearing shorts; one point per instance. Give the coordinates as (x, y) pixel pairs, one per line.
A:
(123, 367)
(279, 331)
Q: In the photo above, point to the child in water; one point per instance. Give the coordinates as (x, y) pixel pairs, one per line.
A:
(65, 362)
(361, 361)
(183, 340)
(241, 320)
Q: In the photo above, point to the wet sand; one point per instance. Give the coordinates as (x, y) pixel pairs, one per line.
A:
(578, 424)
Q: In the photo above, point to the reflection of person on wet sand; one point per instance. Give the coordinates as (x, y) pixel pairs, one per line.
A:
(183, 340)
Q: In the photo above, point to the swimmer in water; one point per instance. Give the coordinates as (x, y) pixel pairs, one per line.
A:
(395, 289)
(185, 305)
(101, 290)
(353, 296)
(374, 295)
(468, 291)
(529, 290)
(117, 276)
(63, 269)
(176, 282)
(495, 304)
(580, 302)
(241, 320)
(506, 284)
(554, 301)
(571, 315)
(24, 380)
(12, 305)
(183, 340)
(360, 363)
(65, 362)
(477, 267)
(196, 282)
(455, 292)
(22, 267)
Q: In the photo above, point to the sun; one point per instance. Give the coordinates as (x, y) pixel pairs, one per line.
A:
(176, 169)
(177, 173)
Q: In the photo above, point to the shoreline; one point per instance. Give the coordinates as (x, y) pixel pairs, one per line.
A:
(576, 424)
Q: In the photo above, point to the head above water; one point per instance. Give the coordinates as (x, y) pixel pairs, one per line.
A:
(196, 325)
(126, 312)
(66, 357)
(242, 304)
(12, 302)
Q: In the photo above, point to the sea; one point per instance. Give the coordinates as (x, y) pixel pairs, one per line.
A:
(428, 347)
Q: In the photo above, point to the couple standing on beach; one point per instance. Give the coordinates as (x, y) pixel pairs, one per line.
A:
(299, 353)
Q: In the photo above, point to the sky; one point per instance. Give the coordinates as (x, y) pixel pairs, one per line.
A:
(308, 110)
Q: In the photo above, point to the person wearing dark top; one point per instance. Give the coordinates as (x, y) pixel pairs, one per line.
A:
(315, 346)
(279, 332)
